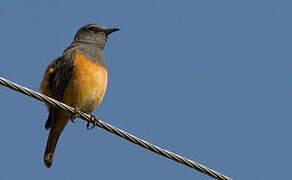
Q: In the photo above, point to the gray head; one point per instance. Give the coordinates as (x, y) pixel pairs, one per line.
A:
(93, 34)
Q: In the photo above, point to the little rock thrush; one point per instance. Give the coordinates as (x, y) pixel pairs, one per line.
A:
(78, 78)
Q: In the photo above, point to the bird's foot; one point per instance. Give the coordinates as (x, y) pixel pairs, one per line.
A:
(75, 114)
(93, 120)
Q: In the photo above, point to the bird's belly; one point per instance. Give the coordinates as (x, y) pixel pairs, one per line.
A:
(87, 85)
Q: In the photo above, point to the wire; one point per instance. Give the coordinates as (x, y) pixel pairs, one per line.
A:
(115, 130)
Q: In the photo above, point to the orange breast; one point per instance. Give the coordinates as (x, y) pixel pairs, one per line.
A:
(87, 85)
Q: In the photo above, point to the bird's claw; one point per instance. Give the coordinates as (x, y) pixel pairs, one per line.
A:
(75, 114)
(93, 120)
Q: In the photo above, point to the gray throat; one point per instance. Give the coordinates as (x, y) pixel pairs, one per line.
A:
(90, 50)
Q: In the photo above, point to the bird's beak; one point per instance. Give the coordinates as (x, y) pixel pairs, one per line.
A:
(109, 31)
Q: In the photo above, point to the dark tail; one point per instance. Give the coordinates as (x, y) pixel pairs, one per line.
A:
(58, 125)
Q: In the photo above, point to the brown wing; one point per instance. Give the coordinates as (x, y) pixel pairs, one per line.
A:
(55, 81)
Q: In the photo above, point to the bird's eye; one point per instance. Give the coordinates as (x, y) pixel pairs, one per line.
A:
(93, 29)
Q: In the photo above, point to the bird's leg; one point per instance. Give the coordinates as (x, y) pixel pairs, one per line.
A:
(75, 114)
(93, 120)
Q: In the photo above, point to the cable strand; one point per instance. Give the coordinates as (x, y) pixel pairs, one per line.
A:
(114, 130)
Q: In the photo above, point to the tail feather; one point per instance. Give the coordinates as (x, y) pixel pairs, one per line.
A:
(59, 123)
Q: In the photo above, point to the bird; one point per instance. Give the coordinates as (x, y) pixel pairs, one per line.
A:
(77, 78)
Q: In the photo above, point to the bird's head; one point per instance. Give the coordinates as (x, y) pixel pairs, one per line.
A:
(93, 34)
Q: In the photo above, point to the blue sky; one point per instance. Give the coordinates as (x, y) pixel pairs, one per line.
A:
(208, 79)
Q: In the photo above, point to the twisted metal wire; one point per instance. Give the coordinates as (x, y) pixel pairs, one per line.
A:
(115, 130)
